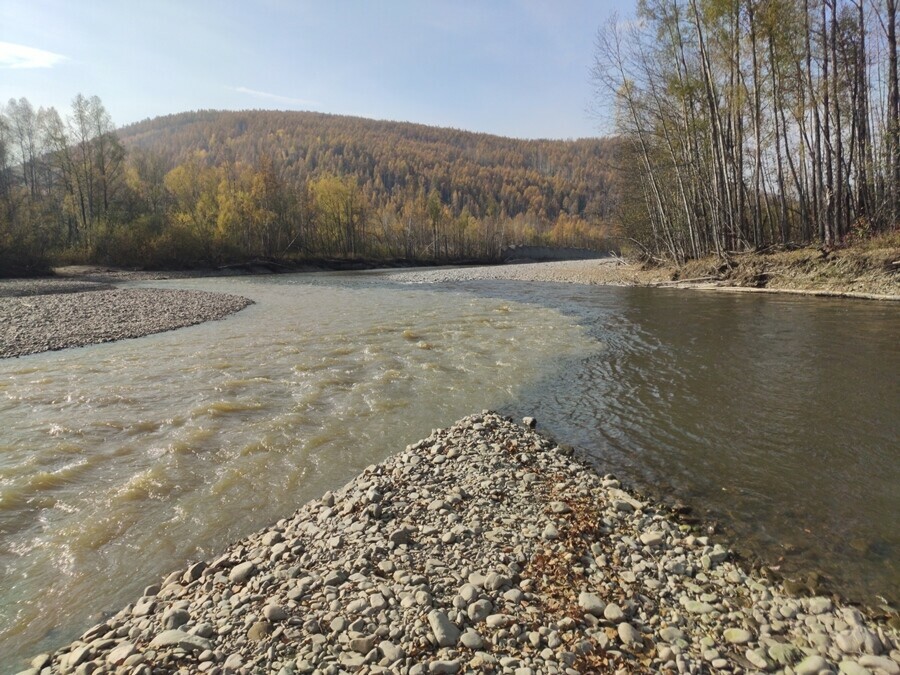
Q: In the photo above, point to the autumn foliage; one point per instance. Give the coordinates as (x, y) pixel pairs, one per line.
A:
(209, 188)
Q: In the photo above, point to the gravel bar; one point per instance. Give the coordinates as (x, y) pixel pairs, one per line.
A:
(43, 315)
(615, 272)
(607, 271)
(16, 288)
(485, 548)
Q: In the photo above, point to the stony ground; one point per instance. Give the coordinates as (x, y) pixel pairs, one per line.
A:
(607, 271)
(38, 315)
(19, 288)
(482, 549)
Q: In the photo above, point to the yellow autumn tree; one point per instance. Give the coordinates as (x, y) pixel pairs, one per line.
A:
(193, 232)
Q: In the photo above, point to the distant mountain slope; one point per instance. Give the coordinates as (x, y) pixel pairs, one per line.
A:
(396, 162)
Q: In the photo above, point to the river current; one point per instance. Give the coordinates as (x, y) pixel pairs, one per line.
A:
(776, 416)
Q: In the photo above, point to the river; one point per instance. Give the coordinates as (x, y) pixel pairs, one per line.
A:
(775, 415)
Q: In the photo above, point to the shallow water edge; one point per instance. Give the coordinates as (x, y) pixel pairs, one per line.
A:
(561, 568)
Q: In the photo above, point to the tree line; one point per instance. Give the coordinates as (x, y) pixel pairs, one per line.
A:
(752, 123)
(210, 188)
(59, 179)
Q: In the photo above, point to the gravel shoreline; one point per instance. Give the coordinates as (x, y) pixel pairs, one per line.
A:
(483, 548)
(614, 272)
(85, 306)
(39, 315)
(606, 271)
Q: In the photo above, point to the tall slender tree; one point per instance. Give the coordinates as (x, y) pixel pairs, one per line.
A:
(692, 75)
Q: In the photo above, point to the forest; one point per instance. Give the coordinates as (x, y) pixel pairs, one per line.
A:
(210, 188)
(740, 125)
(748, 124)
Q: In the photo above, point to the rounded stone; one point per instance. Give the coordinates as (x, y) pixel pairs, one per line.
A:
(737, 636)
(240, 573)
(628, 634)
(259, 631)
(591, 603)
(275, 613)
(445, 632)
(811, 665)
(471, 639)
(612, 612)
(652, 538)
(175, 618)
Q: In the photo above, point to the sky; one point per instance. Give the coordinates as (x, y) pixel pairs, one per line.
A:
(516, 68)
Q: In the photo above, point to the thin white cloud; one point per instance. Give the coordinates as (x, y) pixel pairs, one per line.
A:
(19, 56)
(275, 97)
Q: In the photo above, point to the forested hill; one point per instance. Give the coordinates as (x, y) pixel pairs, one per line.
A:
(397, 163)
(211, 188)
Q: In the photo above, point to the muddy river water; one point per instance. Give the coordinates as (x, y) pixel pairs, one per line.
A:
(777, 416)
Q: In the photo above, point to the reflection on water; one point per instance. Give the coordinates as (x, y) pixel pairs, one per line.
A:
(776, 415)
(120, 462)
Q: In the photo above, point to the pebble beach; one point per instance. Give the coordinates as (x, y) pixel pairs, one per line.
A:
(485, 548)
(39, 315)
(605, 271)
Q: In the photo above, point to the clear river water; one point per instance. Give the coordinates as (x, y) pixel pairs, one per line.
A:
(775, 416)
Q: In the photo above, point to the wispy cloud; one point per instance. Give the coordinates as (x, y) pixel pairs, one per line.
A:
(275, 97)
(20, 56)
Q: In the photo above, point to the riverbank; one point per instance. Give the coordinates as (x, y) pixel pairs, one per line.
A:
(866, 269)
(860, 272)
(51, 321)
(41, 315)
(483, 548)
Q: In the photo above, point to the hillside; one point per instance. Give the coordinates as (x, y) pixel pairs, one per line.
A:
(211, 188)
(395, 162)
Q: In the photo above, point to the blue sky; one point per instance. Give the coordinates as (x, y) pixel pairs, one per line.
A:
(511, 67)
